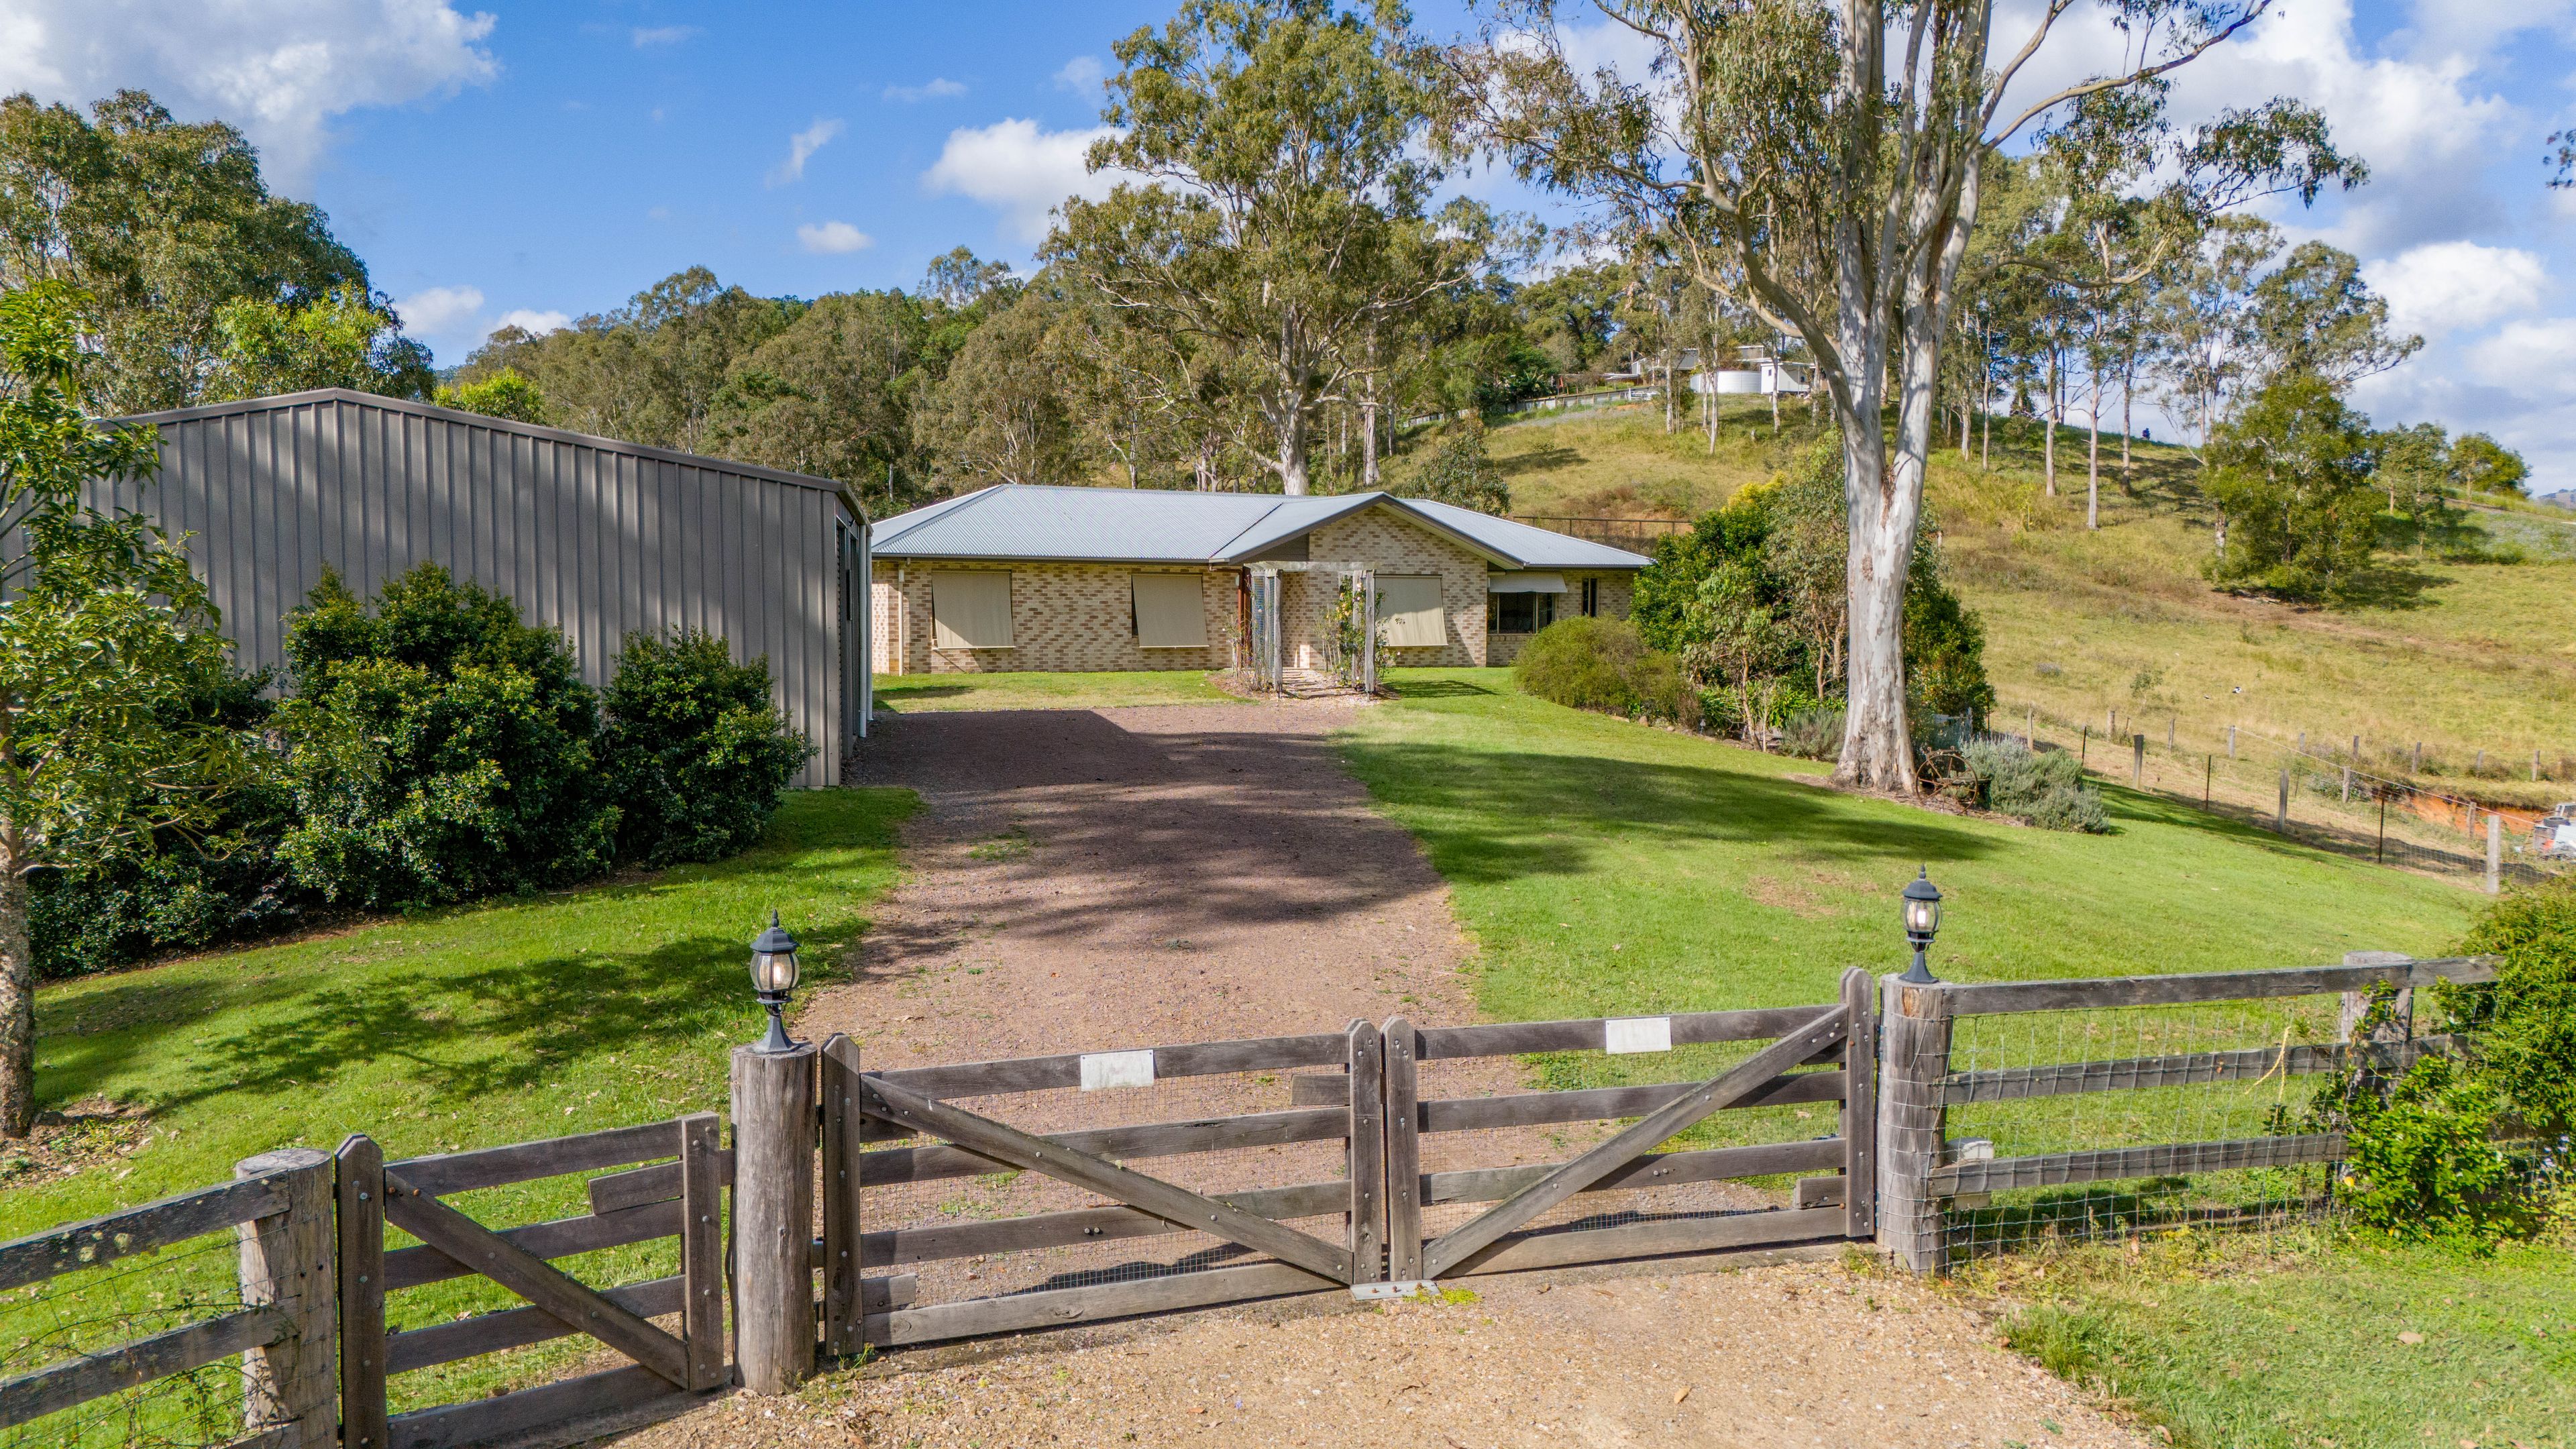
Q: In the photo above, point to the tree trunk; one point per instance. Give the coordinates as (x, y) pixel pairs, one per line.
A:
(1986, 442)
(1368, 437)
(1292, 446)
(17, 995)
(2128, 419)
(2093, 458)
(2048, 428)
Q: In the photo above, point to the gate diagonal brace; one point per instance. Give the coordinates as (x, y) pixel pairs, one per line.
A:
(1175, 1205)
(1646, 1134)
(480, 1250)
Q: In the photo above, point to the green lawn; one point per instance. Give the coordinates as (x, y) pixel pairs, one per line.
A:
(593, 1008)
(1608, 869)
(2295, 1345)
(1721, 881)
(912, 693)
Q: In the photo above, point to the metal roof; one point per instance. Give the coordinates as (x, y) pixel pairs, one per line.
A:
(1153, 525)
(435, 413)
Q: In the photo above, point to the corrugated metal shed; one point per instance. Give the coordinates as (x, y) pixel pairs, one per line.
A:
(1130, 525)
(596, 537)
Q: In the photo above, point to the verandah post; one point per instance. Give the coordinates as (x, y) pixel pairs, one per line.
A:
(1914, 1024)
(773, 1216)
(289, 1262)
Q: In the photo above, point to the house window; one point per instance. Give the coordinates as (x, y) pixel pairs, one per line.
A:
(970, 610)
(1170, 611)
(1592, 598)
(1409, 613)
(1519, 613)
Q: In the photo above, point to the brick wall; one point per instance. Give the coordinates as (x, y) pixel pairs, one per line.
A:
(1077, 616)
(1064, 617)
(1391, 544)
(1617, 593)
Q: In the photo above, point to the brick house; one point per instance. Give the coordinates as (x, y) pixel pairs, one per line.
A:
(1017, 577)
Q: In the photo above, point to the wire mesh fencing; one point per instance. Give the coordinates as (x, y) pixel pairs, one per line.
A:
(2130, 1121)
(87, 1314)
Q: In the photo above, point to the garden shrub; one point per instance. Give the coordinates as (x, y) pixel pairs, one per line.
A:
(2465, 1149)
(439, 748)
(2045, 788)
(1813, 733)
(695, 752)
(1603, 664)
(179, 891)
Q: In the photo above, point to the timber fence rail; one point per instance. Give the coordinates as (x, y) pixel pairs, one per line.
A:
(2027, 1112)
(231, 1345)
(672, 1369)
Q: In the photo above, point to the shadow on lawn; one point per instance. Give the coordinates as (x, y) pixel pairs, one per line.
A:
(1489, 817)
(1434, 688)
(463, 1032)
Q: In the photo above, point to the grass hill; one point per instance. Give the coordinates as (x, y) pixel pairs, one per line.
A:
(2461, 655)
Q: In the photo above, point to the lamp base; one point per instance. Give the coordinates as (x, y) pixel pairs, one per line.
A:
(777, 1040)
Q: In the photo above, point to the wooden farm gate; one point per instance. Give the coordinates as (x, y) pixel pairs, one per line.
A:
(1044, 1191)
(1475, 1180)
(679, 1199)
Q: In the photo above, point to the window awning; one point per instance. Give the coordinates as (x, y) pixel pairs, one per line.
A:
(1524, 583)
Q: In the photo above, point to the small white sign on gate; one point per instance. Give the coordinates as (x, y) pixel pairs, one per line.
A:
(1117, 1069)
(1637, 1034)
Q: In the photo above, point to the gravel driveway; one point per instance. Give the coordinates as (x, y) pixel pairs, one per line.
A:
(1082, 880)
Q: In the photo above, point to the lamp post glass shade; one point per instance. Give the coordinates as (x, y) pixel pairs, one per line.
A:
(1922, 922)
(774, 971)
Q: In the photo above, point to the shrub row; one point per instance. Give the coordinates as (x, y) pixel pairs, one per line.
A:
(1603, 664)
(437, 748)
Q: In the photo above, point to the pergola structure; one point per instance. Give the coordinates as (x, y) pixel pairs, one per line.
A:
(1262, 580)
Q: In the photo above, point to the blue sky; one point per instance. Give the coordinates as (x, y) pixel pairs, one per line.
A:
(536, 161)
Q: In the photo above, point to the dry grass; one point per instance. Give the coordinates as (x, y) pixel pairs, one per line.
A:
(2460, 656)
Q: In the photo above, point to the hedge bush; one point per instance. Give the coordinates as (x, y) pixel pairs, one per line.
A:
(437, 748)
(2045, 788)
(440, 748)
(1602, 664)
(696, 752)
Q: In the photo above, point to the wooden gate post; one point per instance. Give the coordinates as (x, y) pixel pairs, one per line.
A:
(773, 1217)
(1915, 1026)
(1367, 1147)
(1403, 1154)
(288, 1263)
(842, 1314)
(1860, 1107)
(361, 1189)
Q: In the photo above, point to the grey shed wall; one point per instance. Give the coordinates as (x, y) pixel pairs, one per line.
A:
(596, 537)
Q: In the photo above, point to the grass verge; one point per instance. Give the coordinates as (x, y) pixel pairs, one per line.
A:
(598, 1007)
(2309, 1341)
(916, 693)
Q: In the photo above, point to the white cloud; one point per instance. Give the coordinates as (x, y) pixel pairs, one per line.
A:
(833, 238)
(437, 311)
(939, 89)
(281, 71)
(2449, 286)
(646, 36)
(801, 148)
(1080, 76)
(529, 320)
(1019, 170)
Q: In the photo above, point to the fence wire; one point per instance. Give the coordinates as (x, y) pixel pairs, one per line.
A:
(2263, 1089)
(1535, 1148)
(2352, 798)
(85, 1314)
(1100, 1257)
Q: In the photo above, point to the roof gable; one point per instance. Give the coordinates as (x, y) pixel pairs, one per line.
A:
(1147, 525)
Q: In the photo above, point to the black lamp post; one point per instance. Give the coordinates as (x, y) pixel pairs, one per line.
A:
(773, 980)
(1922, 919)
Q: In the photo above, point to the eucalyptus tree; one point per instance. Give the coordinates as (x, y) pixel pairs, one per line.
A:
(107, 641)
(1280, 210)
(162, 224)
(1827, 160)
